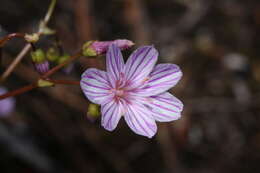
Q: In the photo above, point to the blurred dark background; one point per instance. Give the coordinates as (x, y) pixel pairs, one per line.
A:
(216, 44)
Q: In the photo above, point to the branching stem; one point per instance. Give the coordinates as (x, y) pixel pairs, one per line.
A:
(27, 47)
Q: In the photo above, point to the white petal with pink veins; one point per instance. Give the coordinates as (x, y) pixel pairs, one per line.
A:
(165, 107)
(114, 63)
(140, 120)
(95, 86)
(162, 78)
(140, 64)
(111, 114)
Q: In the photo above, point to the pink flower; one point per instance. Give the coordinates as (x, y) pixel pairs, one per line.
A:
(136, 90)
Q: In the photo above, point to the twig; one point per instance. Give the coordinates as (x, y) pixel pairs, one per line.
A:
(27, 47)
(45, 77)
(35, 85)
(48, 15)
(58, 67)
(19, 91)
(65, 82)
(15, 62)
(9, 37)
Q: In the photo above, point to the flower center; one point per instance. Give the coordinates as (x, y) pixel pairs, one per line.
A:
(119, 92)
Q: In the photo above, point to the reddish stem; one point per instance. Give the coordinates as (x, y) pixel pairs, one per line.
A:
(45, 76)
(32, 86)
(18, 91)
(58, 67)
(9, 37)
(65, 82)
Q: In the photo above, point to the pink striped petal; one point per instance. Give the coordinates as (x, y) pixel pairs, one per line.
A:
(95, 86)
(111, 114)
(140, 64)
(165, 107)
(162, 78)
(114, 63)
(140, 120)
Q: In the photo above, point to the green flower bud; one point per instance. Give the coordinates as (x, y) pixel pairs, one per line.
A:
(63, 58)
(87, 50)
(44, 83)
(93, 112)
(52, 54)
(38, 56)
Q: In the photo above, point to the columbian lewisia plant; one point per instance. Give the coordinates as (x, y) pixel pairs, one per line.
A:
(136, 90)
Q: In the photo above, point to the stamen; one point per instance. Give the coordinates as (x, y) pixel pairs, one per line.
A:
(145, 79)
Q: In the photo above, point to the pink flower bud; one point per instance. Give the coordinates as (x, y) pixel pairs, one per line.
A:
(94, 48)
(42, 67)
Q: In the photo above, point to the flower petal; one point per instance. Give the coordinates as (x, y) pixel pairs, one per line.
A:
(165, 107)
(111, 114)
(139, 119)
(162, 78)
(114, 63)
(95, 86)
(140, 64)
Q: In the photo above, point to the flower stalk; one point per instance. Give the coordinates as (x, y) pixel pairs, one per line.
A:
(45, 77)
(9, 37)
(58, 67)
(40, 83)
(19, 91)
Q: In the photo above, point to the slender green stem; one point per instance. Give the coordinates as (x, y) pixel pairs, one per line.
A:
(48, 15)
(15, 62)
(50, 11)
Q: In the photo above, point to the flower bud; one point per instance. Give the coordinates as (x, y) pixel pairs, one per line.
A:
(39, 60)
(7, 105)
(93, 112)
(52, 54)
(42, 67)
(44, 83)
(94, 48)
(38, 56)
